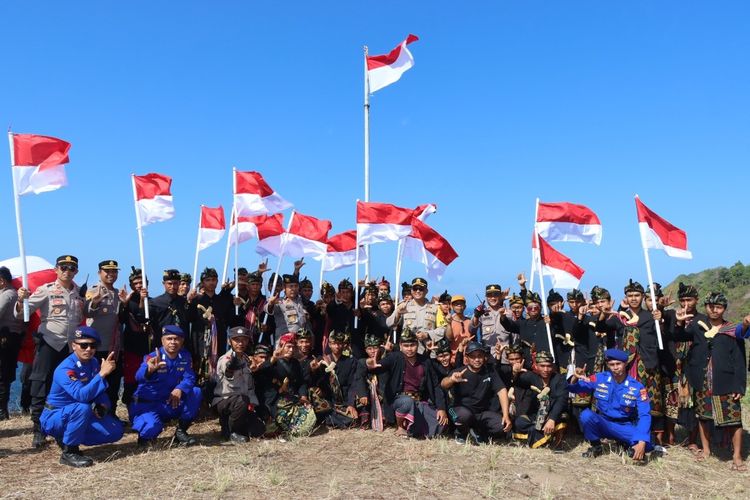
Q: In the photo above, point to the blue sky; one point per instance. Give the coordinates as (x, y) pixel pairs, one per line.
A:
(587, 102)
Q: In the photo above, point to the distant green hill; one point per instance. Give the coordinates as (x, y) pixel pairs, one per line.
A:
(733, 281)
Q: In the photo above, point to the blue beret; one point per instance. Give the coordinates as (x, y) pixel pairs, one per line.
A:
(86, 332)
(173, 330)
(616, 354)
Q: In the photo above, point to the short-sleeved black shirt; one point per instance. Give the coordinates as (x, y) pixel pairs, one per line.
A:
(479, 392)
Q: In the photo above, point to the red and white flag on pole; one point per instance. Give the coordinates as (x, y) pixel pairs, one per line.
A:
(307, 236)
(427, 246)
(269, 229)
(341, 251)
(563, 272)
(253, 195)
(212, 227)
(386, 69)
(422, 212)
(38, 162)
(154, 198)
(660, 234)
(568, 222)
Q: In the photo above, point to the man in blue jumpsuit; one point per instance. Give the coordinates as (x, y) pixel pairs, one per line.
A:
(622, 407)
(166, 390)
(77, 408)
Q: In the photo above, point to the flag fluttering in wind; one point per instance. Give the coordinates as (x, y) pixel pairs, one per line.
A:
(38, 163)
(269, 229)
(307, 236)
(386, 69)
(379, 222)
(253, 195)
(153, 198)
(568, 222)
(563, 272)
(658, 233)
(212, 226)
(341, 253)
(427, 246)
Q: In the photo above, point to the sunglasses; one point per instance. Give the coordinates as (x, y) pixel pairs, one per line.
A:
(68, 268)
(86, 345)
(418, 289)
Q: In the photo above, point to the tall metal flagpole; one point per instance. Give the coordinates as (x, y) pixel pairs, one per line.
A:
(236, 234)
(356, 276)
(197, 249)
(651, 288)
(541, 283)
(281, 258)
(19, 228)
(367, 153)
(139, 227)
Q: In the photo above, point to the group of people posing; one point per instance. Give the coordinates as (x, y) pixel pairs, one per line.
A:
(285, 362)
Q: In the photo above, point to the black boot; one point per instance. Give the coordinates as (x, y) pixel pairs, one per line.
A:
(39, 440)
(182, 437)
(71, 455)
(594, 451)
(4, 397)
(145, 443)
(238, 438)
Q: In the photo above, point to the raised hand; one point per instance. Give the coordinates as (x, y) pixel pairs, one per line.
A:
(521, 280)
(298, 264)
(123, 294)
(155, 363)
(682, 315)
(458, 377)
(108, 365)
(263, 266)
(372, 363)
(23, 294)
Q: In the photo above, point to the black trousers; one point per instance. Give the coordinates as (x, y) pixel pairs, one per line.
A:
(25, 399)
(234, 414)
(42, 371)
(10, 344)
(114, 381)
(485, 423)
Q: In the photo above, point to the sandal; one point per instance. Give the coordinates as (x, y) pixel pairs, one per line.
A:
(693, 448)
(740, 467)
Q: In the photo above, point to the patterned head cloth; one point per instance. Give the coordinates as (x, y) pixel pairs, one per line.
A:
(305, 283)
(327, 288)
(553, 297)
(373, 341)
(658, 292)
(385, 297)
(288, 338)
(575, 294)
(345, 284)
(514, 349)
(515, 299)
(442, 347)
(304, 333)
(339, 337)
(684, 291)
(408, 336)
(543, 357)
(405, 288)
(371, 287)
(385, 282)
(444, 297)
(716, 298)
(533, 297)
(135, 274)
(599, 293)
(209, 272)
(633, 286)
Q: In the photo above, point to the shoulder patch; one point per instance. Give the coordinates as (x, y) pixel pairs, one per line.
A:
(592, 378)
(644, 394)
(72, 375)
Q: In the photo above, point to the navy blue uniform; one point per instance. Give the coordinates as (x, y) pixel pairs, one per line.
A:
(622, 409)
(150, 407)
(68, 414)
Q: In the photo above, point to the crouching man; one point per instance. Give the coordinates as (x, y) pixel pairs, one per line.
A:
(234, 395)
(166, 390)
(622, 407)
(77, 409)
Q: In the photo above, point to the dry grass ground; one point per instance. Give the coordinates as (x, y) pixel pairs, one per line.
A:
(359, 464)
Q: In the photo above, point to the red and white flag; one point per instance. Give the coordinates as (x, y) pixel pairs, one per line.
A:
(568, 222)
(341, 251)
(386, 69)
(379, 222)
(269, 229)
(658, 233)
(38, 163)
(563, 272)
(153, 198)
(212, 227)
(307, 236)
(427, 246)
(253, 195)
